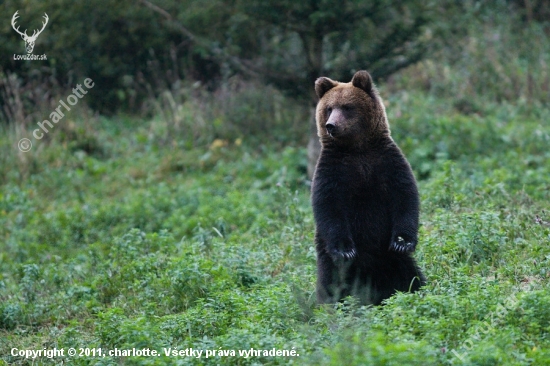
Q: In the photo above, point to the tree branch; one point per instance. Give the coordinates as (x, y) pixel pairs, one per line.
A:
(168, 17)
(216, 51)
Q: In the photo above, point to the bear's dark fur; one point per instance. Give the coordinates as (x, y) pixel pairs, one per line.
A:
(364, 196)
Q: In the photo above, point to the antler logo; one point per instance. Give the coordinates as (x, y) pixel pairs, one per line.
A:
(29, 40)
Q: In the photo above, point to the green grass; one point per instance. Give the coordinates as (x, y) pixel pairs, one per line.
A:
(116, 236)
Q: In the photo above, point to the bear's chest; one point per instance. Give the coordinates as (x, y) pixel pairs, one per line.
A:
(365, 180)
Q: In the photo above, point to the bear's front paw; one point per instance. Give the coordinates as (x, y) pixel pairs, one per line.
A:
(345, 249)
(401, 244)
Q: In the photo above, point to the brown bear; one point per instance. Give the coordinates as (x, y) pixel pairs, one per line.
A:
(364, 197)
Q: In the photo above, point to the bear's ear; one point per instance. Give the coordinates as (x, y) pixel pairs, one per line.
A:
(323, 85)
(362, 80)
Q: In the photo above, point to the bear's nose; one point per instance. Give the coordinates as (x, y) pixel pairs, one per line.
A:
(331, 127)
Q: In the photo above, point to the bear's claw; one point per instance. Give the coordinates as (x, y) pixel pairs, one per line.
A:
(347, 255)
(401, 246)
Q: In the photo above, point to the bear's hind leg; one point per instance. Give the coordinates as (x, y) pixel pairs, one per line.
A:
(331, 279)
(400, 274)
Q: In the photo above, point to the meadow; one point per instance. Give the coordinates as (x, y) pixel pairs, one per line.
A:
(117, 233)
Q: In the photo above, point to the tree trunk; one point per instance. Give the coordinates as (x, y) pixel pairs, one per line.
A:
(313, 45)
(313, 146)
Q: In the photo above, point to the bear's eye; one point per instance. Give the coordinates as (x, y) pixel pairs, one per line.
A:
(329, 110)
(347, 107)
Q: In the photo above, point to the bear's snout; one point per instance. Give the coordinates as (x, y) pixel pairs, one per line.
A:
(335, 121)
(331, 128)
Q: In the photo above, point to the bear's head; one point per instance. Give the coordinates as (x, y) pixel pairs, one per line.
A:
(350, 114)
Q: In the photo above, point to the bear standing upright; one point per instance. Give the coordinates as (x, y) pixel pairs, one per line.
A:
(364, 197)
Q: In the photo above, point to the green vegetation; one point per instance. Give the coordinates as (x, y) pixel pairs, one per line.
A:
(118, 235)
